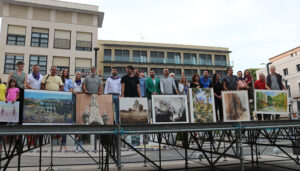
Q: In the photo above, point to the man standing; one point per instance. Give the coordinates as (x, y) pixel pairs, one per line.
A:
(204, 80)
(113, 87)
(52, 82)
(261, 84)
(130, 84)
(167, 84)
(34, 79)
(142, 81)
(274, 82)
(172, 75)
(230, 81)
(92, 84)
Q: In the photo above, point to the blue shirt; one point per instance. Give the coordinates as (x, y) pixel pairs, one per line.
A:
(68, 84)
(205, 82)
(143, 86)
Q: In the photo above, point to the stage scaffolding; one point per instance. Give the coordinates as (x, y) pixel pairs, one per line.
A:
(224, 139)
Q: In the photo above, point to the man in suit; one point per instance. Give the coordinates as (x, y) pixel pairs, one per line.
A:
(152, 88)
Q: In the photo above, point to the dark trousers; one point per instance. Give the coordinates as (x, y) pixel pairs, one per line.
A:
(21, 107)
(265, 116)
(219, 110)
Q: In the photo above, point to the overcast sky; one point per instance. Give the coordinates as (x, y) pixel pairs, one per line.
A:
(254, 30)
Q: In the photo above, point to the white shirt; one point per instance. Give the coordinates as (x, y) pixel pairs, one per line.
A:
(35, 84)
(77, 88)
(112, 86)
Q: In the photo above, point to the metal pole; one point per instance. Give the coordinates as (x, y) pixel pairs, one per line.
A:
(40, 143)
(159, 143)
(119, 147)
(241, 146)
(0, 150)
(51, 159)
(19, 150)
(144, 142)
(99, 154)
(96, 50)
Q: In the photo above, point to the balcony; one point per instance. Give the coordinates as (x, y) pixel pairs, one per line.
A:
(107, 58)
(205, 62)
(157, 60)
(122, 59)
(190, 61)
(220, 63)
(173, 61)
(139, 59)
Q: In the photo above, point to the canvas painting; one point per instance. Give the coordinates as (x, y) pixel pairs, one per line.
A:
(170, 109)
(235, 106)
(134, 110)
(47, 107)
(93, 109)
(202, 105)
(9, 112)
(271, 102)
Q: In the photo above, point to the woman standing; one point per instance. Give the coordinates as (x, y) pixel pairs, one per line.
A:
(77, 83)
(183, 85)
(249, 81)
(20, 78)
(195, 81)
(217, 86)
(242, 85)
(68, 83)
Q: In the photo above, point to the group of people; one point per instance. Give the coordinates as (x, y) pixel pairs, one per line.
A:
(134, 84)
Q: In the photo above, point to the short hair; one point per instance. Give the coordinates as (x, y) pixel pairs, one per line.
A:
(93, 67)
(114, 68)
(78, 72)
(229, 68)
(239, 71)
(151, 70)
(130, 67)
(273, 66)
(20, 63)
(35, 65)
(166, 69)
(172, 73)
(53, 67)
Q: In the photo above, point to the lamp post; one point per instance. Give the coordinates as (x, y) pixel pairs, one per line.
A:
(268, 64)
(96, 49)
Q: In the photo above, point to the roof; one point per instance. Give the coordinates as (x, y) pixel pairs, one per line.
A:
(284, 54)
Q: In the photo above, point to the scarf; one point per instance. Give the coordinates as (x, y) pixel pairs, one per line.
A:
(36, 76)
(78, 82)
(115, 78)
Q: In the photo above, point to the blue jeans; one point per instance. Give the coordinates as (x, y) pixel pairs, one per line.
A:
(79, 144)
(116, 105)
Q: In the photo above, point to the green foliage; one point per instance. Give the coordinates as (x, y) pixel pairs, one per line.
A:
(253, 73)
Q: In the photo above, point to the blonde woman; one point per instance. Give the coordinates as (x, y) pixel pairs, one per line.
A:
(183, 85)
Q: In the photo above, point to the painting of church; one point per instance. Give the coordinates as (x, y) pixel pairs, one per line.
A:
(93, 109)
(134, 110)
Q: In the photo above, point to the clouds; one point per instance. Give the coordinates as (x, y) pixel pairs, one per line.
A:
(254, 30)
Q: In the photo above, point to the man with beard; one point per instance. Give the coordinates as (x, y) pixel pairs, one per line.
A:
(152, 88)
(34, 79)
(130, 84)
(113, 87)
(92, 84)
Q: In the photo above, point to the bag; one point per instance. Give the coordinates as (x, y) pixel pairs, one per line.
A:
(242, 84)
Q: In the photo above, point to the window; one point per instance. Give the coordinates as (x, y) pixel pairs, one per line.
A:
(189, 73)
(107, 54)
(158, 71)
(220, 60)
(62, 39)
(139, 56)
(83, 65)
(121, 71)
(16, 35)
(292, 54)
(107, 72)
(84, 41)
(222, 73)
(41, 61)
(10, 62)
(298, 67)
(61, 63)
(205, 59)
(190, 58)
(173, 58)
(157, 57)
(285, 71)
(177, 73)
(39, 37)
(122, 55)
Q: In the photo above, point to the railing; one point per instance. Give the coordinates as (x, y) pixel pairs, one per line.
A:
(173, 61)
(157, 60)
(190, 61)
(122, 59)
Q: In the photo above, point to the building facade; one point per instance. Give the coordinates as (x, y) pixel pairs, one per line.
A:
(288, 65)
(48, 32)
(157, 56)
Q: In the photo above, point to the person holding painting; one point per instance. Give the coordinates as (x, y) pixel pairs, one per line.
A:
(130, 84)
(92, 84)
(195, 81)
(230, 82)
(217, 86)
(261, 84)
(204, 80)
(52, 82)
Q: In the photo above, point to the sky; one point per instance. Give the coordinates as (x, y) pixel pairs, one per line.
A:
(254, 30)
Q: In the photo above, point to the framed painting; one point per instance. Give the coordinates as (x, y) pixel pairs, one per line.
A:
(9, 112)
(133, 110)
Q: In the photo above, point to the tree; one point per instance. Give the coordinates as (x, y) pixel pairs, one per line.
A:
(253, 73)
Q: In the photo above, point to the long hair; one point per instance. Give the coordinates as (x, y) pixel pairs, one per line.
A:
(181, 80)
(214, 80)
(10, 81)
(247, 70)
(194, 77)
(62, 75)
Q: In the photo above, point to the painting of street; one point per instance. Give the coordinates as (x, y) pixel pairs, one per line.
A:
(271, 102)
(134, 110)
(47, 107)
(170, 109)
(202, 105)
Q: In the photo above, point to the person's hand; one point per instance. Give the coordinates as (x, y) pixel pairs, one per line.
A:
(86, 92)
(6, 101)
(99, 93)
(13, 101)
(154, 93)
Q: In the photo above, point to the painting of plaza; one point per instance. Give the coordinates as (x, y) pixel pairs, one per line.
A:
(47, 107)
(202, 105)
(94, 109)
(134, 110)
(271, 102)
(9, 112)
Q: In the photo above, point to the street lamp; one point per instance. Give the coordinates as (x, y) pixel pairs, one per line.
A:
(268, 64)
(96, 50)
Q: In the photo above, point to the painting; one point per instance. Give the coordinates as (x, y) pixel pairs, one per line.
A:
(9, 112)
(169, 109)
(202, 105)
(93, 109)
(271, 102)
(133, 110)
(47, 107)
(235, 106)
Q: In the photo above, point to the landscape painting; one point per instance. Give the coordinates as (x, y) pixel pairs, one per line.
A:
(235, 106)
(271, 102)
(134, 110)
(9, 112)
(47, 107)
(202, 105)
(170, 109)
(93, 109)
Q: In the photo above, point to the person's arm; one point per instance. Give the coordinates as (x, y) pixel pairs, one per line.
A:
(25, 81)
(18, 95)
(9, 76)
(225, 86)
(43, 82)
(71, 86)
(161, 87)
(139, 90)
(106, 86)
(84, 86)
(284, 87)
(267, 87)
(61, 87)
(175, 87)
(122, 89)
(100, 89)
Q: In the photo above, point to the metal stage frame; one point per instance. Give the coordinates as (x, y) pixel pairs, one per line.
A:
(213, 140)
